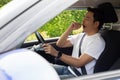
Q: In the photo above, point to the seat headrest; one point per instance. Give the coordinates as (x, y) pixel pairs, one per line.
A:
(108, 12)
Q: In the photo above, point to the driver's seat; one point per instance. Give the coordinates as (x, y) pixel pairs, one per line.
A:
(111, 53)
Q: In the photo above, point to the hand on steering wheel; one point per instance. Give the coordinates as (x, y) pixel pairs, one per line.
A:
(41, 41)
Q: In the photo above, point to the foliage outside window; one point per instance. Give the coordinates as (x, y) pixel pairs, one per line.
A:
(57, 25)
(3, 2)
(60, 23)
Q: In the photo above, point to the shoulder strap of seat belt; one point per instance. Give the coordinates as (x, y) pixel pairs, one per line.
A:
(83, 69)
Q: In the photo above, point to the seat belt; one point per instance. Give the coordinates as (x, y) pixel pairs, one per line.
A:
(83, 69)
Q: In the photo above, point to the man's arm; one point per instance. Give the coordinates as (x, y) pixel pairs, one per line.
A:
(63, 42)
(76, 62)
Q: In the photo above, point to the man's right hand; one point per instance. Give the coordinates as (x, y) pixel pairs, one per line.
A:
(75, 26)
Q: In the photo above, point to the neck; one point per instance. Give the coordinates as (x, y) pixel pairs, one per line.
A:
(91, 33)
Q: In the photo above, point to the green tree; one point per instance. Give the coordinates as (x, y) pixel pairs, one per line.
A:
(3, 2)
(58, 25)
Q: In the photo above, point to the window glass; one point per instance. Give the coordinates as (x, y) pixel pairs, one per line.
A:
(56, 26)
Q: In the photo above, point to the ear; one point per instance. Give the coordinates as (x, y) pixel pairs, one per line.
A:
(97, 23)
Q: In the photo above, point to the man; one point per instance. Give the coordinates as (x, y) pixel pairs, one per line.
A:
(91, 47)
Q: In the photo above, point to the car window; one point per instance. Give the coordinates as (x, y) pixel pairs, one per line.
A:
(56, 26)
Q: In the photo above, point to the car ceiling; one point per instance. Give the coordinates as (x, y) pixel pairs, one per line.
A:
(93, 3)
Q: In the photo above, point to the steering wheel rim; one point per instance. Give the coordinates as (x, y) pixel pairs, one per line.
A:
(39, 37)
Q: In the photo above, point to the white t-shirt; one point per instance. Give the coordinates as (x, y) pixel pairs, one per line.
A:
(92, 45)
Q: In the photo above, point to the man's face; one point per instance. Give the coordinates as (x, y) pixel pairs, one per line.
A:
(88, 22)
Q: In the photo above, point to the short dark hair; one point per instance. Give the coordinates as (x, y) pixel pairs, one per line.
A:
(97, 16)
(104, 13)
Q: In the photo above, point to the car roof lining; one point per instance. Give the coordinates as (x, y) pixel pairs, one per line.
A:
(94, 3)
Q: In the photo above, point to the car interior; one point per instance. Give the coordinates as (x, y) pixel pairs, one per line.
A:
(110, 58)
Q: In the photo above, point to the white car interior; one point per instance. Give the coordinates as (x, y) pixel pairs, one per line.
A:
(20, 18)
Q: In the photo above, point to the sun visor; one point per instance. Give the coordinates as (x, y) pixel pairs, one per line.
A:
(109, 14)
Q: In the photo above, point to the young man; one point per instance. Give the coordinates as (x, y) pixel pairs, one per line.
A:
(91, 48)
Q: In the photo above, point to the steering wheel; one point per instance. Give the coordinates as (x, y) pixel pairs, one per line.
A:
(40, 40)
(39, 37)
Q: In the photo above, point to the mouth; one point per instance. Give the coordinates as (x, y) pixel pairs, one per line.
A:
(84, 26)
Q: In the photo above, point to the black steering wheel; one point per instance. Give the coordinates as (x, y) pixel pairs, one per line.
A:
(40, 40)
(39, 37)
